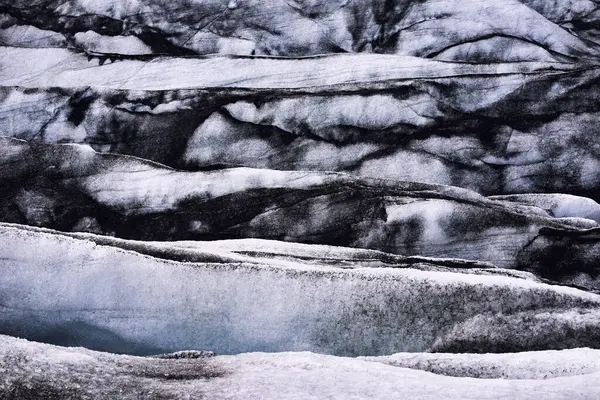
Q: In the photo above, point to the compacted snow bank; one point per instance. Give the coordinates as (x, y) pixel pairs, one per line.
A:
(526, 365)
(29, 370)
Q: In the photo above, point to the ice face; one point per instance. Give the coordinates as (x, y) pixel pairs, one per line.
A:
(76, 188)
(72, 291)
(428, 29)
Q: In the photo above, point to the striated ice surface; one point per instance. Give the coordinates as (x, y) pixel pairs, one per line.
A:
(444, 29)
(132, 198)
(74, 291)
(498, 129)
(299, 199)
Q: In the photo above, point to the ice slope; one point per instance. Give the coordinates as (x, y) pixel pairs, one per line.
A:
(466, 30)
(72, 290)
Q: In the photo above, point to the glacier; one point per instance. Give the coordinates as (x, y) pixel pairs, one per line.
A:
(116, 297)
(299, 199)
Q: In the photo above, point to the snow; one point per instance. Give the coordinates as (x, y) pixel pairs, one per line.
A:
(525, 365)
(408, 165)
(431, 212)
(559, 205)
(280, 27)
(213, 143)
(311, 376)
(375, 112)
(563, 10)
(161, 189)
(438, 95)
(427, 223)
(497, 49)
(24, 115)
(389, 141)
(30, 36)
(76, 371)
(127, 45)
(445, 222)
(116, 9)
(435, 25)
(278, 253)
(525, 329)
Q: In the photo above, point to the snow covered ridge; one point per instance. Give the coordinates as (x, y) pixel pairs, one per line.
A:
(496, 129)
(271, 252)
(463, 30)
(73, 291)
(30, 369)
(526, 365)
(73, 188)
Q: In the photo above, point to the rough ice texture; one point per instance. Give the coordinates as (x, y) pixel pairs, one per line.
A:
(30, 370)
(558, 205)
(73, 188)
(495, 128)
(182, 177)
(73, 291)
(465, 30)
(344, 72)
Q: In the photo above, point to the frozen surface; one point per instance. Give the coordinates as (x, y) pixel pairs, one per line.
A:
(127, 45)
(498, 128)
(32, 369)
(74, 291)
(414, 183)
(466, 30)
(559, 205)
(73, 188)
(57, 67)
(526, 365)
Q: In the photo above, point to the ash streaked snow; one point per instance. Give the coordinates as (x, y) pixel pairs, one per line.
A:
(410, 183)
(73, 188)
